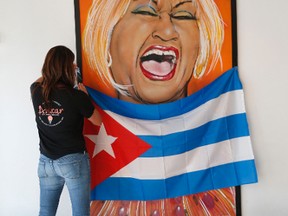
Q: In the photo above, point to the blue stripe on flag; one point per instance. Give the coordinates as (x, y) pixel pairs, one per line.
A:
(209, 179)
(215, 131)
(167, 110)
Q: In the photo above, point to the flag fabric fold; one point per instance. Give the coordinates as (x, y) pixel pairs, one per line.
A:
(194, 144)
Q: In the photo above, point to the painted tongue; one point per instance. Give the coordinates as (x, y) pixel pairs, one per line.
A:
(158, 68)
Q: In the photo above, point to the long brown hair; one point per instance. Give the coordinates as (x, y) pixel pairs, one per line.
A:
(58, 68)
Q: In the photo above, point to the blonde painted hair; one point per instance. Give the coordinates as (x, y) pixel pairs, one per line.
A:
(104, 15)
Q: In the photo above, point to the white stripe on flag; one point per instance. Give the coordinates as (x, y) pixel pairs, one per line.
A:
(227, 104)
(228, 151)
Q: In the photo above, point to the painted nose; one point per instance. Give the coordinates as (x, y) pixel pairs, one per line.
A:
(165, 29)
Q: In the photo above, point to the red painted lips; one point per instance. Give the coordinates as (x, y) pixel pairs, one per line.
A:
(159, 62)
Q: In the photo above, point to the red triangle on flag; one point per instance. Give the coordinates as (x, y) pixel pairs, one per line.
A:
(126, 147)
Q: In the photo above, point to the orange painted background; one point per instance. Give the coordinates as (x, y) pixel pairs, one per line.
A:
(91, 78)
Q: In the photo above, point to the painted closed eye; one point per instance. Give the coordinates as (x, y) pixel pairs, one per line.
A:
(145, 10)
(183, 15)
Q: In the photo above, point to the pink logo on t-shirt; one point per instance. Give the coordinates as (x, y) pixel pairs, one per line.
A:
(51, 116)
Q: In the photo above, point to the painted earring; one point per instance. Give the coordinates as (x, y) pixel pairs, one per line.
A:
(109, 62)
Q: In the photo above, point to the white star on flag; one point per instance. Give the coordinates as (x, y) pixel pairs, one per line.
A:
(102, 141)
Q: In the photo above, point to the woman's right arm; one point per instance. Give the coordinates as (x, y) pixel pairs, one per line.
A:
(95, 118)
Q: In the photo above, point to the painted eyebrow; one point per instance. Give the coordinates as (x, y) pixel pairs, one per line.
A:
(154, 1)
(177, 5)
(181, 3)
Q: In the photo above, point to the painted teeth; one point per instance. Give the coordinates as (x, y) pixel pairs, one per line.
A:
(160, 52)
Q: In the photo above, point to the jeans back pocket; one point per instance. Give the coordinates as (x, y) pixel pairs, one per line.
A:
(70, 166)
(41, 169)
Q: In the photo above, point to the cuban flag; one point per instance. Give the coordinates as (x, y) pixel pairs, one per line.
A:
(192, 145)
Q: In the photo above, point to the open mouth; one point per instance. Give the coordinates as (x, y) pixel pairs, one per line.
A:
(159, 63)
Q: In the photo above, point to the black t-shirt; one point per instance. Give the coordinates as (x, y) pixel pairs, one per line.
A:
(60, 129)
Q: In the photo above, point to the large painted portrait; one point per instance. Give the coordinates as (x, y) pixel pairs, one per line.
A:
(164, 76)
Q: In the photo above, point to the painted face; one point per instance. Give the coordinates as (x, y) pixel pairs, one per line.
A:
(154, 48)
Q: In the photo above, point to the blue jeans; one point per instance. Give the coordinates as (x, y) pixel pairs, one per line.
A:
(72, 170)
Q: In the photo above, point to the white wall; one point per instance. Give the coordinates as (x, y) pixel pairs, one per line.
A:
(29, 28)
(263, 65)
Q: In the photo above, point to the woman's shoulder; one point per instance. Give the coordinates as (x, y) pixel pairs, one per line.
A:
(39, 80)
(36, 83)
(79, 93)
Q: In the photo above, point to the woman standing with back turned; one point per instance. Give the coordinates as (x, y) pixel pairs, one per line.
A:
(60, 110)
